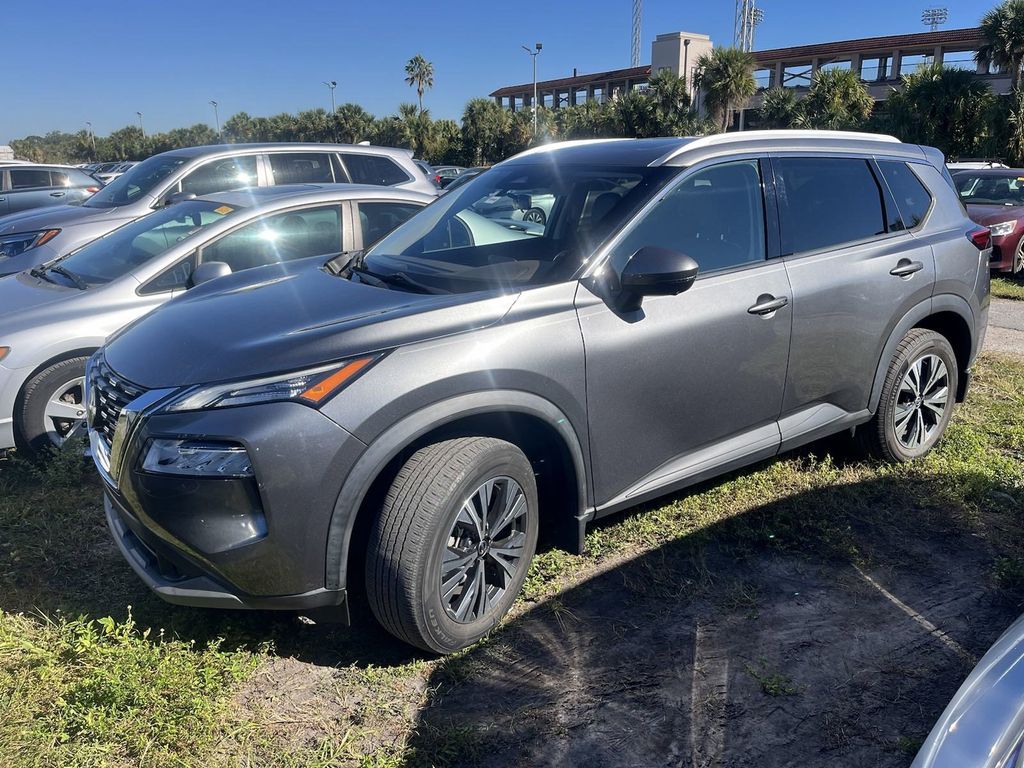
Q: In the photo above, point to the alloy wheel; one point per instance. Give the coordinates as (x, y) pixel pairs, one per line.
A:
(921, 402)
(64, 415)
(484, 549)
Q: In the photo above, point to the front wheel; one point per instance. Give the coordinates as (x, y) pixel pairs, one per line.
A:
(450, 549)
(917, 398)
(52, 407)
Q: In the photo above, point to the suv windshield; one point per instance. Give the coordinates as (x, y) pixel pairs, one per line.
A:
(991, 188)
(137, 181)
(513, 227)
(133, 245)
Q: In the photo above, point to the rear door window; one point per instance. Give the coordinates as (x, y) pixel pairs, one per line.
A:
(378, 219)
(374, 169)
(221, 175)
(827, 202)
(301, 168)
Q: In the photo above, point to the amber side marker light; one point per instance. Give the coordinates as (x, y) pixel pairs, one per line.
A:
(46, 237)
(327, 387)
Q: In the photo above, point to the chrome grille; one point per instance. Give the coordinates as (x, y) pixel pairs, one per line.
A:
(112, 394)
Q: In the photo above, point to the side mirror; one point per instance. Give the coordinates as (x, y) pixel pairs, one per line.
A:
(653, 271)
(178, 197)
(207, 271)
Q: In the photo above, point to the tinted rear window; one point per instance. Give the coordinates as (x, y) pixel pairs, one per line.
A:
(827, 202)
(373, 169)
(301, 168)
(912, 197)
(28, 178)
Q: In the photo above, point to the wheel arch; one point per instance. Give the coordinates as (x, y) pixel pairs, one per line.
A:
(534, 424)
(947, 314)
(57, 358)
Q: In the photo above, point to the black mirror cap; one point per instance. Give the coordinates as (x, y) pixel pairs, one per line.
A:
(207, 271)
(655, 271)
(179, 197)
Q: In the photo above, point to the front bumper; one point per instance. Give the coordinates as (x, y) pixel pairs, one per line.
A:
(255, 542)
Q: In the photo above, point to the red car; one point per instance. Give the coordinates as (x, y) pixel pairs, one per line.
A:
(995, 199)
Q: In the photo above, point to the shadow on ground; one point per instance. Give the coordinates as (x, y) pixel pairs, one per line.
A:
(803, 633)
(799, 633)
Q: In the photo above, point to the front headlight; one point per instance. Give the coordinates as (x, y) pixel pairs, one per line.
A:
(314, 387)
(12, 245)
(1002, 228)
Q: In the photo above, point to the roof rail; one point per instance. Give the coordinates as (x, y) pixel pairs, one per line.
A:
(740, 136)
(552, 145)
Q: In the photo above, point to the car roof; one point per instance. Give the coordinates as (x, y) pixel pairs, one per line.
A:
(282, 146)
(248, 197)
(686, 149)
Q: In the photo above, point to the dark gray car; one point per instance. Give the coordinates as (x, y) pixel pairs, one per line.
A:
(415, 419)
(40, 186)
(34, 237)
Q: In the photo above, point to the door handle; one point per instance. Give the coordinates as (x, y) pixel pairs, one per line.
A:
(57, 194)
(767, 304)
(906, 267)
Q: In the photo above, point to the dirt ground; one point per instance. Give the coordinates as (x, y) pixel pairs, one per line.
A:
(723, 658)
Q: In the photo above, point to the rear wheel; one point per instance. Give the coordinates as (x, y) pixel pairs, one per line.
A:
(450, 549)
(917, 398)
(52, 406)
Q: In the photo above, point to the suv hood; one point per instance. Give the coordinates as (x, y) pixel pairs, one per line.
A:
(54, 217)
(285, 318)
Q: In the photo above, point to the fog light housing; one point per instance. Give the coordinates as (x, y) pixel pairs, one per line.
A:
(196, 458)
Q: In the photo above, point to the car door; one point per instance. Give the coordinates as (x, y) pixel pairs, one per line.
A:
(32, 188)
(856, 269)
(692, 384)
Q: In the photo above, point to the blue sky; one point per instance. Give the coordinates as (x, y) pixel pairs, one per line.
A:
(66, 61)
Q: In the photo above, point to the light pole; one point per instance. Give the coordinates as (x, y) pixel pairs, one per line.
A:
(332, 84)
(141, 126)
(216, 117)
(533, 54)
(92, 138)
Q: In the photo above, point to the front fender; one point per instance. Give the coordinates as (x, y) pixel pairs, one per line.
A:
(396, 438)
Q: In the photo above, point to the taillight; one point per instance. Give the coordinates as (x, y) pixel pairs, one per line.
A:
(981, 237)
(92, 190)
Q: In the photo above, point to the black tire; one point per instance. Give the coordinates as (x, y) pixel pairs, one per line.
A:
(411, 536)
(29, 413)
(879, 436)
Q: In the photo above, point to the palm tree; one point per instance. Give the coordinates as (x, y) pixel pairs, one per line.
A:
(1003, 30)
(353, 123)
(726, 76)
(419, 73)
(780, 108)
(837, 99)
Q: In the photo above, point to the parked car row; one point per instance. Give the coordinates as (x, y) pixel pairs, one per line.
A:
(35, 237)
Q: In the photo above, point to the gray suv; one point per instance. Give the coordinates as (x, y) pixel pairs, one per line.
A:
(34, 237)
(407, 424)
(24, 187)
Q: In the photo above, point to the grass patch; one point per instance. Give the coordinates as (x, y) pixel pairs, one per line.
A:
(84, 681)
(1008, 288)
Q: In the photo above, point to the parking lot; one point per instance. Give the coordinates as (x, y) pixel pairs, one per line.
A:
(815, 609)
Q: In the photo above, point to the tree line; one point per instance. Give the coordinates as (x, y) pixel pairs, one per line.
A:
(947, 108)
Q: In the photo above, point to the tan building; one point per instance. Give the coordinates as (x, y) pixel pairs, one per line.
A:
(879, 61)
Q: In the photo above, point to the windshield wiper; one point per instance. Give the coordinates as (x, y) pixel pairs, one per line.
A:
(395, 279)
(40, 273)
(78, 282)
